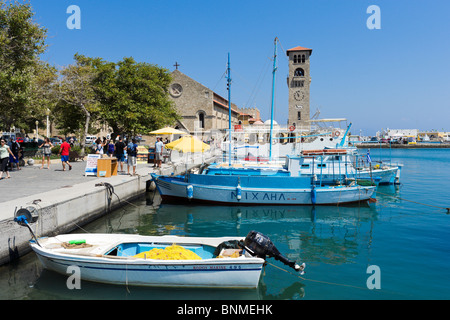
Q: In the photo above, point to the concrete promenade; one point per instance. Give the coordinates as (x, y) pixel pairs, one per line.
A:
(32, 180)
(64, 200)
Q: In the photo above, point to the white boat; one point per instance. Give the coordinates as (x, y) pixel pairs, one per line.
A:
(342, 164)
(255, 140)
(128, 259)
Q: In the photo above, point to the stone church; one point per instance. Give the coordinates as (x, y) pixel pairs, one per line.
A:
(201, 108)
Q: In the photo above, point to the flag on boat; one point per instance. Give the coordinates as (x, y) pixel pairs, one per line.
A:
(369, 160)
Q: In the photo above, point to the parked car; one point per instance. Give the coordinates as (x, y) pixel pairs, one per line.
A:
(56, 141)
(90, 139)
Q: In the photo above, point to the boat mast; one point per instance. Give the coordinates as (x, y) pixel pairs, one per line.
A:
(273, 96)
(229, 109)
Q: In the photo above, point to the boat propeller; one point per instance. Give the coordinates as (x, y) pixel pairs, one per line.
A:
(261, 246)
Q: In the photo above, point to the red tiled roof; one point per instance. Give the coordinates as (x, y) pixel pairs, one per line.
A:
(298, 49)
(224, 106)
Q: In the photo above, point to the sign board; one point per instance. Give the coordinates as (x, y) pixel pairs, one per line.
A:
(91, 164)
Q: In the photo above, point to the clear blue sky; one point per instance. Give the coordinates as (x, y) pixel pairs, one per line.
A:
(397, 77)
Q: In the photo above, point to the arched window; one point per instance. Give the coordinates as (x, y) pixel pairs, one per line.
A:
(295, 58)
(303, 58)
(299, 72)
(201, 120)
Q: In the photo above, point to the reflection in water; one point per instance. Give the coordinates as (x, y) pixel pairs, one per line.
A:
(314, 234)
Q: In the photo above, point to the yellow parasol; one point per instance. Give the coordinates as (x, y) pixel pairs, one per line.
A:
(167, 130)
(188, 144)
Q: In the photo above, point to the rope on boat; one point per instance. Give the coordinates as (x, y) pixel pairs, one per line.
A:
(424, 204)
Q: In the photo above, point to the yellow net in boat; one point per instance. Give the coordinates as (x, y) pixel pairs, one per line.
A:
(173, 252)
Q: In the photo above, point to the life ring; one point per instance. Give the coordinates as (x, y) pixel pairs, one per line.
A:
(336, 133)
(291, 128)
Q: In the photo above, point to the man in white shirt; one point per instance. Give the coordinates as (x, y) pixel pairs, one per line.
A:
(159, 146)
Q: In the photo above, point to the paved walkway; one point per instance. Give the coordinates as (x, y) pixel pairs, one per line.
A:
(31, 180)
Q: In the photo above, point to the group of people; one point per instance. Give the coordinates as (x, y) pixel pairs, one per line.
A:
(118, 150)
(9, 153)
(64, 151)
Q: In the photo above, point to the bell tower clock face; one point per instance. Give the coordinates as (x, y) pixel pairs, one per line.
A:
(298, 95)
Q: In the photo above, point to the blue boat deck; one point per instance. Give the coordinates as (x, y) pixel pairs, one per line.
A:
(132, 249)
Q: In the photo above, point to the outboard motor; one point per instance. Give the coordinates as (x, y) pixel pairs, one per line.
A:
(261, 246)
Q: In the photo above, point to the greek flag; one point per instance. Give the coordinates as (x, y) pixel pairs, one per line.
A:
(369, 160)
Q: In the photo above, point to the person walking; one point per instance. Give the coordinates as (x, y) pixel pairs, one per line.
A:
(5, 151)
(64, 150)
(120, 148)
(47, 152)
(132, 154)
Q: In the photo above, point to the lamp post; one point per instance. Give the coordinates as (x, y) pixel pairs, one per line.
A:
(37, 122)
(48, 127)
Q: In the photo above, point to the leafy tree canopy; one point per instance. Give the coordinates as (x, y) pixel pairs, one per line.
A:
(133, 96)
(21, 42)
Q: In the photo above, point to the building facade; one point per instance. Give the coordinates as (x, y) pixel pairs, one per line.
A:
(201, 108)
(299, 81)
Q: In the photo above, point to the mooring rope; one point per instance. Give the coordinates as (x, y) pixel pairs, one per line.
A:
(416, 202)
(318, 281)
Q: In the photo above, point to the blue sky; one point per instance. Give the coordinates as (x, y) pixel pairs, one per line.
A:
(397, 77)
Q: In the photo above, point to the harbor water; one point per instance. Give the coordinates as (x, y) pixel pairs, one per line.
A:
(397, 248)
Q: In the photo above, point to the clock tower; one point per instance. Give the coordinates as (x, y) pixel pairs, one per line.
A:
(299, 81)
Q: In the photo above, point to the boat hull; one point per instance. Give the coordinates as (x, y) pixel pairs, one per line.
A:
(176, 190)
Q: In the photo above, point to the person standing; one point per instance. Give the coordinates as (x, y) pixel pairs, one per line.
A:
(5, 151)
(99, 146)
(15, 148)
(47, 152)
(64, 150)
(159, 146)
(132, 154)
(120, 148)
(110, 148)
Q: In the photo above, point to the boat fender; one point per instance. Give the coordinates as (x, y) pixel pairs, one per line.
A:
(313, 196)
(238, 192)
(190, 191)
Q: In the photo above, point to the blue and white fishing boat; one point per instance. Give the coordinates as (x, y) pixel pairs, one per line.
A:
(135, 260)
(238, 185)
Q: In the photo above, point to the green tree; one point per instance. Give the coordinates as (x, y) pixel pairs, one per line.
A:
(133, 97)
(77, 95)
(21, 42)
(43, 95)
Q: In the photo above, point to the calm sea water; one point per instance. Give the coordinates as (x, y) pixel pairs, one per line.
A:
(405, 234)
